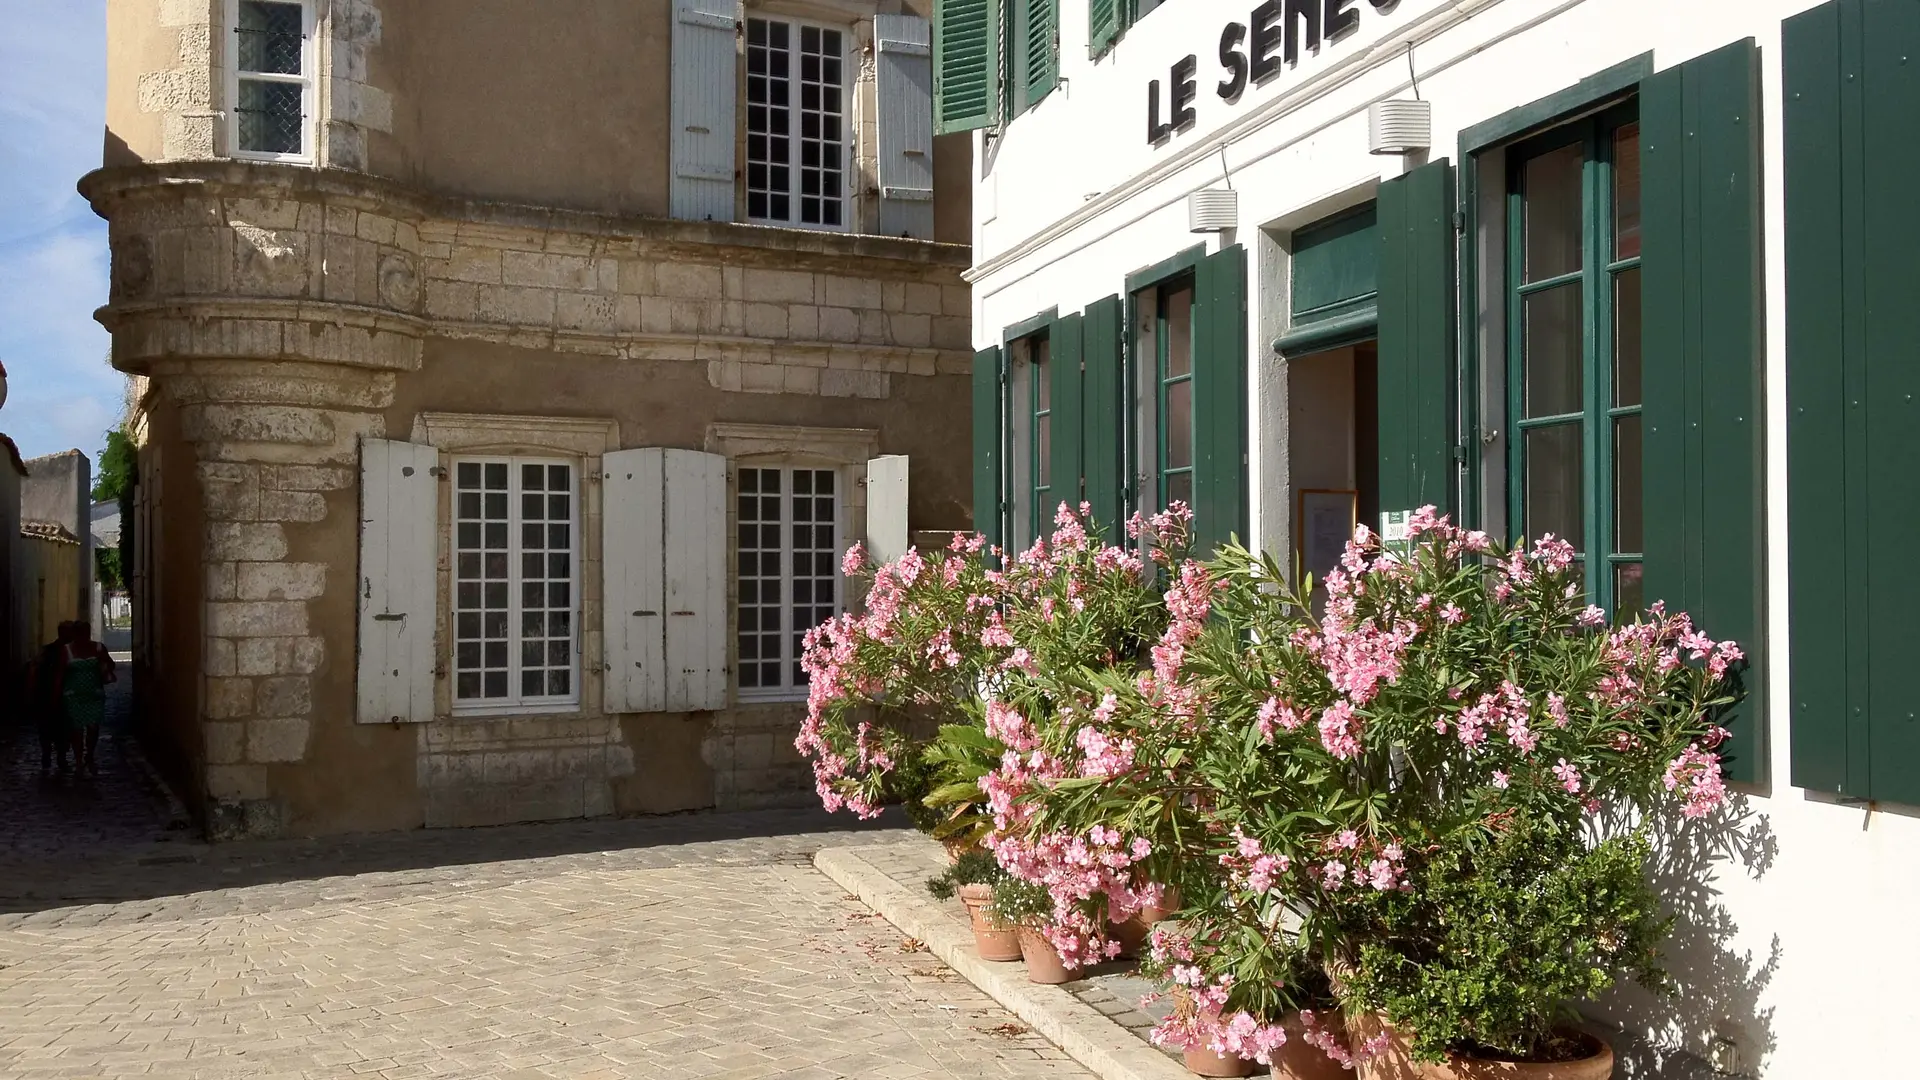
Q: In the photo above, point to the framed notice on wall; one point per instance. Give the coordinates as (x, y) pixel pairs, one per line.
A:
(1323, 523)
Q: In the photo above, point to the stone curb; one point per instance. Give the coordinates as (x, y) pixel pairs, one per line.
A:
(1087, 1036)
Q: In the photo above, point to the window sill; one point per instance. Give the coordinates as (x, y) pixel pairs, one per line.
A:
(783, 697)
(513, 712)
(277, 159)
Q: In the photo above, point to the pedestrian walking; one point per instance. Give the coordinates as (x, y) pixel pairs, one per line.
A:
(43, 702)
(85, 670)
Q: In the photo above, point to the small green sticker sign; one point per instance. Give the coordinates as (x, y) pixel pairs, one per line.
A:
(1395, 531)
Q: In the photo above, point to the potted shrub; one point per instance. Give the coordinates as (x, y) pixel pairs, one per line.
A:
(1027, 907)
(972, 877)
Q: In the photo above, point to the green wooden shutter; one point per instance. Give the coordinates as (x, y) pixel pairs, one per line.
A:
(986, 443)
(1701, 347)
(1036, 51)
(1103, 24)
(1853, 254)
(1416, 367)
(1067, 421)
(1220, 399)
(966, 64)
(1104, 418)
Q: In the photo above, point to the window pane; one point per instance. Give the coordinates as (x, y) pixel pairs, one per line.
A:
(1626, 337)
(1042, 377)
(1180, 424)
(1179, 332)
(1554, 337)
(269, 37)
(1628, 530)
(1180, 488)
(1629, 593)
(1626, 192)
(1042, 452)
(1553, 484)
(270, 117)
(1551, 187)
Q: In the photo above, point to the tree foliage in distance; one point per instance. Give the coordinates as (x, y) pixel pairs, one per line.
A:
(117, 459)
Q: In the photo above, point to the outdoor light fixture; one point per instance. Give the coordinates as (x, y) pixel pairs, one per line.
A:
(1399, 126)
(1213, 210)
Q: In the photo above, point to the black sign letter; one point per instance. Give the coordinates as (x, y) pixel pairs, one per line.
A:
(1266, 40)
(1184, 91)
(1339, 22)
(1156, 131)
(1234, 61)
(1298, 11)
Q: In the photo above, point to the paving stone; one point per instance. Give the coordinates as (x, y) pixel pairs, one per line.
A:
(696, 946)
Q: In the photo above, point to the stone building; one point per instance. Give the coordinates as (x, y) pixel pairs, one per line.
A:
(511, 379)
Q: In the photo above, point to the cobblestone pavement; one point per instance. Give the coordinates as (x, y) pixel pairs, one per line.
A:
(697, 946)
(1114, 989)
(70, 816)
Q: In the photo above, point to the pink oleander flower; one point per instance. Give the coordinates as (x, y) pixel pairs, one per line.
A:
(854, 561)
(1569, 776)
(1696, 774)
(1500, 779)
(1340, 731)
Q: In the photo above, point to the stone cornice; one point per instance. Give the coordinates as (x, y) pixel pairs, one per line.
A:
(107, 188)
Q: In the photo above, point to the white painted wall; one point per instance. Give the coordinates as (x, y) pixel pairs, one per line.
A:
(1803, 948)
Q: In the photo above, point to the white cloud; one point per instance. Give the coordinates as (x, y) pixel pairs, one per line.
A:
(53, 249)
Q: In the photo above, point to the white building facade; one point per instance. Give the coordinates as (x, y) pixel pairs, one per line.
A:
(1645, 281)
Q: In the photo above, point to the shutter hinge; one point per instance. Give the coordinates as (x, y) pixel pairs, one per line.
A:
(1459, 221)
(1460, 452)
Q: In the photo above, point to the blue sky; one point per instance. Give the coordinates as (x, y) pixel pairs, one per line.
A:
(53, 249)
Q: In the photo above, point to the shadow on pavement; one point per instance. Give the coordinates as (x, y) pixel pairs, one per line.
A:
(186, 867)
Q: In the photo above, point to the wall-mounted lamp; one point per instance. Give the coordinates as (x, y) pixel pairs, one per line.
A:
(1399, 126)
(1213, 210)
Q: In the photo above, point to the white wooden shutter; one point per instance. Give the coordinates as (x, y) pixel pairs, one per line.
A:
(696, 580)
(664, 556)
(399, 536)
(887, 507)
(704, 72)
(633, 564)
(905, 93)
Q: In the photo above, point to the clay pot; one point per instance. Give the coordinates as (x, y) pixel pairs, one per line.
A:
(1043, 961)
(1169, 903)
(1295, 1060)
(997, 943)
(1202, 1061)
(1131, 935)
(1396, 1063)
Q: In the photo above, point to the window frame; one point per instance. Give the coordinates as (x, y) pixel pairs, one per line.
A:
(1597, 272)
(1149, 382)
(308, 80)
(849, 68)
(518, 703)
(1027, 380)
(791, 688)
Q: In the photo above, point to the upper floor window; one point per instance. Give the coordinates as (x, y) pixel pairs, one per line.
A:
(797, 132)
(515, 584)
(270, 83)
(1573, 326)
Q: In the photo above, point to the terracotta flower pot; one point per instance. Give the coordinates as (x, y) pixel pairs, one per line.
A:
(1202, 1061)
(1169, 903)
(999, 943)
(1296, 1060)
(1043, 961)
(1396, 1062)
(1131, 935)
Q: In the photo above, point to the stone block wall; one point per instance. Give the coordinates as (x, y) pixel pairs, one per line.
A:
(279, 313)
